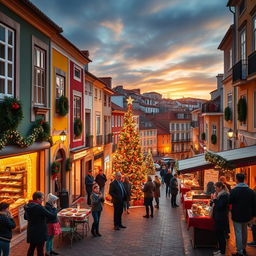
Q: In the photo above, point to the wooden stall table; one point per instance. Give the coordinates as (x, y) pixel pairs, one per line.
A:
(203, 233)
(71, 218)
(183, 191)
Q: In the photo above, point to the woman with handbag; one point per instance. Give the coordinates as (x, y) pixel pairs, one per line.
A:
(220, 203)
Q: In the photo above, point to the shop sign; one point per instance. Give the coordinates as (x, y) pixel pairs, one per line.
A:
(210, 175)
(107, 159)
(98, 156)
(79, 155)
(22, 222)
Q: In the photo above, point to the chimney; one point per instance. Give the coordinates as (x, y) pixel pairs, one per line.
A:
(219, 81)
(107, 81)
(86, 54)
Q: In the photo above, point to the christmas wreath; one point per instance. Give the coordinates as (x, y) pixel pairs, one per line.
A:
(10, 114)
(68, 164)
(44, 135)
(203, 136)
(227, 113)
(78, 127)
(55, 168)
(62, 105)
(242, 109)
(213, 139)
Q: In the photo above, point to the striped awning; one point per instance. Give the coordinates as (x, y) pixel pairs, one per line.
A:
(245, 156)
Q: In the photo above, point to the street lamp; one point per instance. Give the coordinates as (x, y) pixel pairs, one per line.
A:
(230, 133)
(63, 136)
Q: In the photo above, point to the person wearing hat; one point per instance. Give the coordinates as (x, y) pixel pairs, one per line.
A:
(89, 181)
(53, 224)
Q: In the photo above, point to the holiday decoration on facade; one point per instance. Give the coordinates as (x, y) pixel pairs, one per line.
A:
(242, 110)
(213, 139)
(62, 105)
(218, 161)
(128, 158)
(227, 113)
(149, 164)
(55, 169)
(78, 127)
(203, 136)
(68, 164)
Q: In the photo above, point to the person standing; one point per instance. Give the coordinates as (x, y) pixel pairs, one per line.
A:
(163, 172)
(101, 180)
(148, 190)
(37, 216)
(119, 195)
(253, 228)
(224, 181)
(6, 225)
(97, 199)
(167, 180)
(128, 189)
(174, 190)
(157, 184)
(89, 180)
(243, 202)
(53, 225)
(220, 204)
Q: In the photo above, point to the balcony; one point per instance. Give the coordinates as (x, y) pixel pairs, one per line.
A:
(252, 63)
(239, 71)
(89, 141)
(181, 140)
(107, 138)
(99, 140)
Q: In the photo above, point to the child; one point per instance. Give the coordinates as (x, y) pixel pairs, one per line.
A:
(96, 203)
(53, 224)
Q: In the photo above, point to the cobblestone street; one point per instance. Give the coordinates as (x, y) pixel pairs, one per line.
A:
(165, 234)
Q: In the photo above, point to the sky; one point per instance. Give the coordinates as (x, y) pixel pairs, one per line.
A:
(167, 46)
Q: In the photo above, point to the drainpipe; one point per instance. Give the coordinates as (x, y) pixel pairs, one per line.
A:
(234, 46)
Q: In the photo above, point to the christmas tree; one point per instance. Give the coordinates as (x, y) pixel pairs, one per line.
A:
(149, 164)
(128, 158)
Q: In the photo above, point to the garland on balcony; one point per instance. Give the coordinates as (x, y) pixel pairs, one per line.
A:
(227, 113)
(242, 109)
(62, 105)
(213, 139)
(68, 164)
(10, 114)
(219, 161)
(203, 136)
(78, 127)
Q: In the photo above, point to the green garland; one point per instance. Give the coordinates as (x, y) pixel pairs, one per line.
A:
(55, 168)
(10, 114)
(62, 105)
(203, 136)
(45, 133)
(242, 110)
(219, 161)
(78, 127)
(227, 113)
(68, 164)
(214, 139)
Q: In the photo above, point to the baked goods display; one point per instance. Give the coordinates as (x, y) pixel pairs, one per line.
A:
(189, 180)
(200, 209)
(13, 184)
(74, 212)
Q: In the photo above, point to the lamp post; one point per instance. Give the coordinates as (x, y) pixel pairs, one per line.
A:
(63, 136)
(230, 134)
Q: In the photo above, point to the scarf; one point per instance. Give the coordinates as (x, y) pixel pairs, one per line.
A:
(241, 185)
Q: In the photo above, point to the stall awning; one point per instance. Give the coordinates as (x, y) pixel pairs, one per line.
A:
(240, 157)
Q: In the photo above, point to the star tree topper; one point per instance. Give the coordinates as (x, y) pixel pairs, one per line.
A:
(130, 100)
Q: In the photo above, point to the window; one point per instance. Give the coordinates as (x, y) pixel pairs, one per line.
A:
(177, 136)
(77, 73)
(254, 109)
(119, 121)
(77, 107)
(254, 32)
(214, 129)
(105, 99)
(109, 101)
(6, 61)
(88, 89)
(95, 93)
(100, 94)
(182, 127)
(172, 147)
(60, 86)
(243, 45)
(182, 136)
(97, 124)
(39, 76)
(173, 137)
(230, 58)
(177, 127)
(229, 103)
(113, 121)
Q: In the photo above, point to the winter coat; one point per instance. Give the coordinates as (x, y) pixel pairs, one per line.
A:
(101, 180)
(37, 216)
(157, 189)
(128, 188)
(149, 189)
(174, 186)
(53, 210)
(6, 226)
(243, 201)
(116, 193)
(96, 202)
(89, 179)
(167, 178)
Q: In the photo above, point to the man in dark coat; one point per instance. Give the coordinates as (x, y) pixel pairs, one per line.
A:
(89, 181)
(243, 201)
(174, 190)
(37, 216)
(167, 180)
(119, 195)
(101, 180)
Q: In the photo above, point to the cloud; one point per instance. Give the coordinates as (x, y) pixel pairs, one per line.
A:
(167, 45)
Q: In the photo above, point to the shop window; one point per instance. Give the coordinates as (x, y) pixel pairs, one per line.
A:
(60, 86)
(76, 179)
(7, 61)
(39, 83)
(77, 73)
